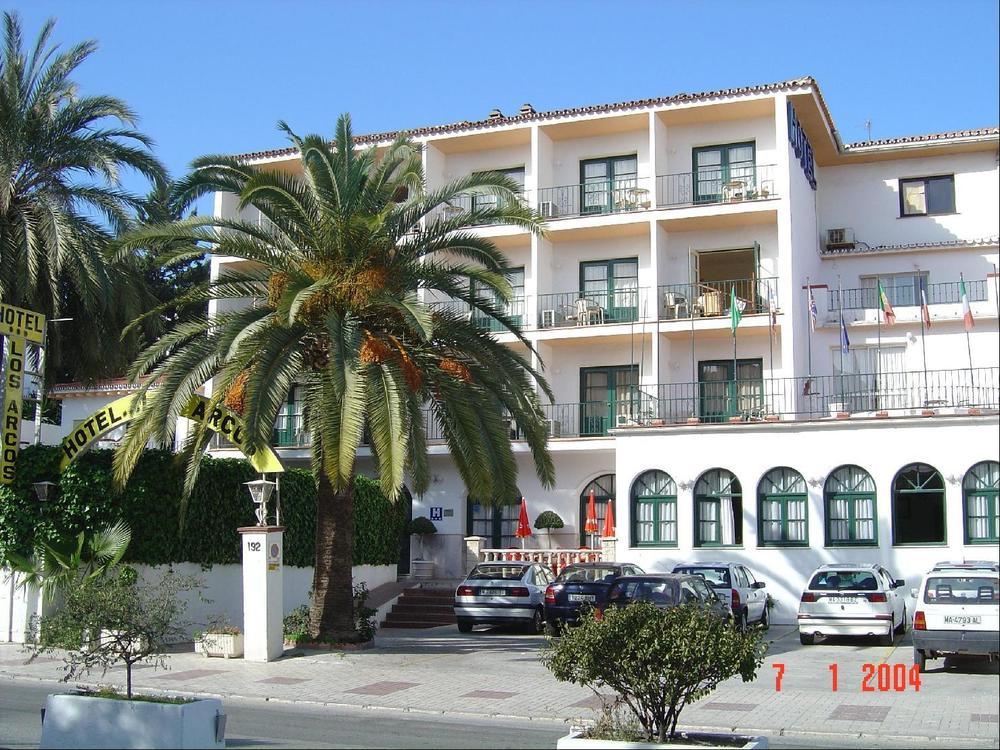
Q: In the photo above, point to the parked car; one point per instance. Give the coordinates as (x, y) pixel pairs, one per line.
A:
(503, 593)
(958, 612)
(737, 584)
(666, 590)
(578, 586)
(852, 600)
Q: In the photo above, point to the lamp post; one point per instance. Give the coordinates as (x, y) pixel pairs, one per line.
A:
(260, 493)
(45, 491)
(262, 579)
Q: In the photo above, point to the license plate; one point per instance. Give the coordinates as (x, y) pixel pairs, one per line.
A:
(492, 592)
(963, 620)
(582, 598)
(842, 599)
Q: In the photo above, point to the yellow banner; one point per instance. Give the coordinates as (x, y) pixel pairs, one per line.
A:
(118, 412)
(16, 321)
(13, 389)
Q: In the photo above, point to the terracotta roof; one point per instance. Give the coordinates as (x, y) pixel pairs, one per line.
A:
(977, 133)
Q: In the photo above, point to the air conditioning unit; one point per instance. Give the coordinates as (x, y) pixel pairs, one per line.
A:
(548, 209)
(840, 239)
(555, 429)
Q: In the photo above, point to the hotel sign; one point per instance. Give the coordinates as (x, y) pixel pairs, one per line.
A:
(801, 147)
(17, 326)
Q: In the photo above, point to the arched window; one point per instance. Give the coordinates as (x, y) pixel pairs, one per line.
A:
(496, 523)
(918, 506)
(849, 501)
(604, 490)
(654, 510)
(782, 509)
(718, 509)
(979, 491)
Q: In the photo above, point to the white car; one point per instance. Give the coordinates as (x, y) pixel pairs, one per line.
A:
(737, 585)
(861, 600)
(503, 593)
(958, 612)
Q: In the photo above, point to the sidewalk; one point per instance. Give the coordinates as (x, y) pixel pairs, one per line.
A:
(498, 674)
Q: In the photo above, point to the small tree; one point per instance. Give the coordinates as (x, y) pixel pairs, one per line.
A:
(106, 621)
(655, 661)
(548, 520)
(421, 526)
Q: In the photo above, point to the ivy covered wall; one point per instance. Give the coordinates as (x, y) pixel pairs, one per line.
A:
(150, 505)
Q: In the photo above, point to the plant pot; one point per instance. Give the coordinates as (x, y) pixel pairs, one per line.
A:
(772, 418)
(84, 721)
(975, 412)
(227, 645)
(422, 569)
(693, 420)
(699, 741)
(882, 415)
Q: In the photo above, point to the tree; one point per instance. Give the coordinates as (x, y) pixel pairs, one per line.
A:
(61, 156)
(331, 304)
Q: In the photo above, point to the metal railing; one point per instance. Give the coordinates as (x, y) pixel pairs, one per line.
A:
(907, 296)
(712, 298)
(588, 308)
(469, 202)
(515, 308)
(593, 198)
(290, 432)
(722, 185)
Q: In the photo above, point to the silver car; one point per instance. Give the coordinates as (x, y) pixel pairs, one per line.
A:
(503, 593)
(736, 584)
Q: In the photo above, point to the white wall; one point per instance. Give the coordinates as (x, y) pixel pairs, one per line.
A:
(567, 154)
(675, 151)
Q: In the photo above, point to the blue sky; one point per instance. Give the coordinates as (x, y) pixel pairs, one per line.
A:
(216, 75)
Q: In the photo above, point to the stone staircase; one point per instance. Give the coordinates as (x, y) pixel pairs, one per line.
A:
(422, 607)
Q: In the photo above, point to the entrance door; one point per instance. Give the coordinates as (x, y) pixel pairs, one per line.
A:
(605, 183)
(723, 396)
(606, 393)
(496, 524)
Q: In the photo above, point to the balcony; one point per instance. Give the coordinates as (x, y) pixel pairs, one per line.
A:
(515, 308)
(593, 198)
(945, 293)
(712, 298)
(564, 309)
(706, 187)
(468, 203)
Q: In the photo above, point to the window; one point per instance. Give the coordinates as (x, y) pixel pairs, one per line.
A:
(514, 308)
(604, 492)
(871, 379)
(654, 510)
(918, 506)
(612, 285)
(482, 202)
(718, 509)
(722, 396)
(849, 501)
(605, 394)
(782, 509)
(605, 184)
(496, 523)
(716, 166)
(902, 289)
(979, 491)
(926, 196)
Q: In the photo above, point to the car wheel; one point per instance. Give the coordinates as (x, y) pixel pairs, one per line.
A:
(465, 626)
(537, 622)
(765, 619)
(920, 660)
(806, 639)
(741, 622)
(901, 628)
(551, 629)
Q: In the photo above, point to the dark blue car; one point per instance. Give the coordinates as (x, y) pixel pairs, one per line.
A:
(578, 586)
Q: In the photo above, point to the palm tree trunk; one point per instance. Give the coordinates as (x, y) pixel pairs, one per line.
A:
(331, 614)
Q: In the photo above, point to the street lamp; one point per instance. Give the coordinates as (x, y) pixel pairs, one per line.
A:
(260, 493)
(45, 491)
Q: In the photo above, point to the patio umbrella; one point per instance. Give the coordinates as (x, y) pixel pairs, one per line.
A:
(609, 522)
(523, 525)
(590, 525)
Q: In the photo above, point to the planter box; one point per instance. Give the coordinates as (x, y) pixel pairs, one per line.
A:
(700, 741)
(227, 645)
(422, 568)
(83, 721)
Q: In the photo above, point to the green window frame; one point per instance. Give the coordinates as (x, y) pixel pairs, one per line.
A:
(980, 488)
(927, 196)
(654, 510)
(496, 523)
(721, 396)
(782, 509)
(514, 308)
(613, 285)
(486, 201)
(605, 182)
(601, 402)
(914, 487)
(604, 491)
(717, 493)
(850, 508)
(714, 166)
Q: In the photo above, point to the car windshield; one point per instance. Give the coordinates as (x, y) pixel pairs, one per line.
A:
(571, 575)
(844, 580)
(497, 572)
(956, 590)
(713, 576)
(656, 592)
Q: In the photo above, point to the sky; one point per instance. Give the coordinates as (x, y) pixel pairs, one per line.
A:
(215, 76)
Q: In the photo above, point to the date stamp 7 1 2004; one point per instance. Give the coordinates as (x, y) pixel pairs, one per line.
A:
(881, 678)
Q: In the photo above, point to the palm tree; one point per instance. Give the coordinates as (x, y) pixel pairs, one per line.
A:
(61, 156)
(338, 259)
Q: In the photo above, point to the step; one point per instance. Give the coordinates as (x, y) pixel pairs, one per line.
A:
(413, 608)
(424, 622)
(427, 601)
(413, 625)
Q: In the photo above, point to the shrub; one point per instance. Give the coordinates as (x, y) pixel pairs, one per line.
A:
(296, 623)
(548, 519)
(655, 661)
(422, 525)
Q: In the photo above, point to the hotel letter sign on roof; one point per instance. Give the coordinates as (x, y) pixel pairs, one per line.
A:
(801, 147)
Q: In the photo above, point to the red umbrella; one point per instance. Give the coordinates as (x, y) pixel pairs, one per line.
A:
(590, 525)
(609, 521)
(523, 525)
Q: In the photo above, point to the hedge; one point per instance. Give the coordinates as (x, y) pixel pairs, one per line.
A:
(150, 505)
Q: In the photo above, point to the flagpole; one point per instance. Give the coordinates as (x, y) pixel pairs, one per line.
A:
(968, 343)
(809, 344)
(840, 335)
(923, 339)
(770, 328)
(878, 340)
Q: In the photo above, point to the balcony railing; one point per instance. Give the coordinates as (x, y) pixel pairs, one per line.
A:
(467, 202)
(907, 296)
(515, 308)
(588, 308)
(713, 298)
(289, 432)
(723, 185)
(592, 198)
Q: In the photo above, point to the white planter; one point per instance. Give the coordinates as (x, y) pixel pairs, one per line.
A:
(422, 568)
(83, 721)
(227, 645)
(575, 740)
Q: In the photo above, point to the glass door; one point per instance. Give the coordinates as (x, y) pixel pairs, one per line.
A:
(606, 184)
(605, 394)
(612, 286)
(718, 167)
(723, 396)
(514, 308)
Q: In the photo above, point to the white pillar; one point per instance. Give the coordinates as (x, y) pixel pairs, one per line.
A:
(262, 592)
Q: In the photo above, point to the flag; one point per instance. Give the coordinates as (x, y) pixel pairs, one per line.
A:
(812, 311)
(735, 310)
(886, 307)
(966, 309)
(845, 342)
(925, 311)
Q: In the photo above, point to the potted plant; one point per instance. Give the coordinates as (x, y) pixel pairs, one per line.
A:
(135, 623)
(421, 526)
(655, 662)
(548, 520)
(220, 638)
